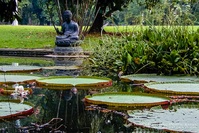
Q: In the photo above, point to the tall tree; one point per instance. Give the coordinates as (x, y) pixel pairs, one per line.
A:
(103, 9)
(8, 10)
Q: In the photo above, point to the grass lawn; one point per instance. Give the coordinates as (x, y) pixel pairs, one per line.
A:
(44, 36)
(26, 36)
(26, 61)
(31, 37)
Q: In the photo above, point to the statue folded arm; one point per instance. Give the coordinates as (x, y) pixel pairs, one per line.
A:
(59, 32)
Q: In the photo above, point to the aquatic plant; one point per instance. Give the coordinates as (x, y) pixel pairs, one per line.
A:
(13, 109)
(68, 82)
(125, 99)
(179, 118)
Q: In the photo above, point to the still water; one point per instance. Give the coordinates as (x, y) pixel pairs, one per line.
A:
(62, 110)
(65, 110)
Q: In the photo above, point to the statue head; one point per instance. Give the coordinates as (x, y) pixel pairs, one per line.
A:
(67, 15)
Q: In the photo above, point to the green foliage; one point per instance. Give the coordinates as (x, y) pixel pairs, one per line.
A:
(161, 50)
(105, 58)
(172, 50)
(8, 10)
(37, 12)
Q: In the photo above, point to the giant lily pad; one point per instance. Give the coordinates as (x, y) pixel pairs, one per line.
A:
(12, 109)
(14, 78)
(19, 68)
(61, 68)
(145, 78)
(173, 88)
(67, 82)
(9, 91)
(123, 99)
(178, 119)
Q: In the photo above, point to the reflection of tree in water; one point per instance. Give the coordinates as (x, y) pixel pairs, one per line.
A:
(108, 123)
(71, 109)
(76, 118)
(74, 115)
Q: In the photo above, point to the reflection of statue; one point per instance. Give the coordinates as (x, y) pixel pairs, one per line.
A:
(69, 31)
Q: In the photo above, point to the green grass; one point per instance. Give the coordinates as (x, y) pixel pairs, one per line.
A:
(31, 37)
(26, 36)
(134, 28)
(26, 61)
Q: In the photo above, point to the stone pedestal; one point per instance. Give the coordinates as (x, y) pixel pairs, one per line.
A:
(68, 56)
(68, 50)
(67, 43)
(68, 61)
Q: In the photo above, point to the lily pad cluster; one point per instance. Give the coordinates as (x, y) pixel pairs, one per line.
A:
(10, 76)
(11, 81)
(174, 85)
(177, 117)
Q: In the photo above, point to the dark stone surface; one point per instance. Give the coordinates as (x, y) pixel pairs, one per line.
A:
(68, 50)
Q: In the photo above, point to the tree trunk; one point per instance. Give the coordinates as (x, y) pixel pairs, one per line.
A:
(98, 22)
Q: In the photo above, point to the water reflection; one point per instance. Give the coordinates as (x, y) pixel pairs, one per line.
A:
(66, 105)
(70, 64)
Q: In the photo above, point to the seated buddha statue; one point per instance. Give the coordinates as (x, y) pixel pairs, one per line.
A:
(69, 31)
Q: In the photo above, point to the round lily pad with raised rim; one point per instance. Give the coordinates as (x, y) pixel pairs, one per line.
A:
(68, 82)
(179, 119)
(16, 78)
(9, 91)
(173, 88)
(61, 68)
(123, 99)
(13, 109)
(19, 68)
(145, 78)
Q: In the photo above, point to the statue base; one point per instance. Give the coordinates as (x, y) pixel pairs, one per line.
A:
(68, 50)
(67, 43)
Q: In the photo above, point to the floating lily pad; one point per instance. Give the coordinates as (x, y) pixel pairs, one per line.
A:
(173, 88)
(19, 68)
(127, 99)
(12, 109)
(179, 119)
(145, 78)
(12, 90)
(16, 78)
(67, 82)
(61, 68)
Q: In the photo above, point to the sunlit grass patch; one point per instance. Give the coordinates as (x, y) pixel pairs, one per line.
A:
(26, 36)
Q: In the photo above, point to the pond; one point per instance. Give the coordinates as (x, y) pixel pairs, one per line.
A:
(69, 106)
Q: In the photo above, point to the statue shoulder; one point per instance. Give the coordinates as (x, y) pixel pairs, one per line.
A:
(64, 24)
(75, 23)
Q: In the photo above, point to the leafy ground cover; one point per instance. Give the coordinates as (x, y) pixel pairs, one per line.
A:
(161, 50)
